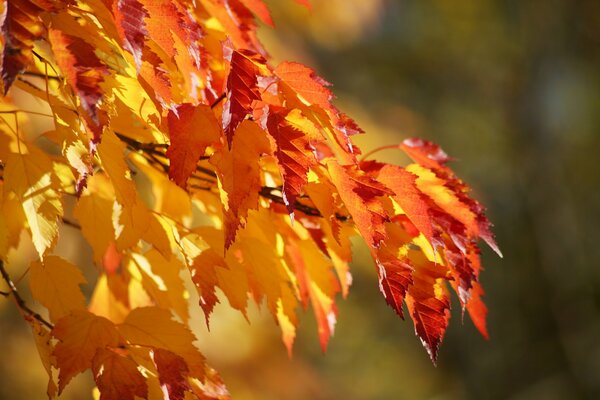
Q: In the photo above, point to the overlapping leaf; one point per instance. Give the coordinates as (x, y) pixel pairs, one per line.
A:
(181, 94)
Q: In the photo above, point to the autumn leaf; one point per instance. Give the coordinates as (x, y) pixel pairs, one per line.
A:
(175, 149)
(80, 335)
(192, 129)
(22, 25)
(172, 373)
(292, 135)
(239, 172)
(242, 90)
(117, 376)
(154, 327)
(55, 282)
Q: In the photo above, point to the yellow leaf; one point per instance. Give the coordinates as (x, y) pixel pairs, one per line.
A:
(111, 152)
(30, 177)
(163, 280)
(43, 341)
(105, 304)
(55, 282)
(94, 213)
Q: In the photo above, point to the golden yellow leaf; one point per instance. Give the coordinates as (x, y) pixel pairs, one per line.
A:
(43, 341)
(94, 213)
(54, 282)
(30, 177)
(104, 303)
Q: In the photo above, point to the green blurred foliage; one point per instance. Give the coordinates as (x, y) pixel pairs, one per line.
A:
(511, 89)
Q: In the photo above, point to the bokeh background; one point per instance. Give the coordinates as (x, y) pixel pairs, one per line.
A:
(511, 89)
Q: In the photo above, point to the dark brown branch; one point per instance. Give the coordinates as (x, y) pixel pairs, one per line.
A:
(153, 151)
(70, 223)
(40, 75)
(218, 100)
(19, 300)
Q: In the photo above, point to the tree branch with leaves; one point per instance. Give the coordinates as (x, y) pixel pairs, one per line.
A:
(182, 93)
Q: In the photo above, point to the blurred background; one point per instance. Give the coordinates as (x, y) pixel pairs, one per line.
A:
(509, 88)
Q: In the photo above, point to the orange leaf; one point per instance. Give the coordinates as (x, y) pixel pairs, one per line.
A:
(80, 335)
(240, 175)
(192, 129)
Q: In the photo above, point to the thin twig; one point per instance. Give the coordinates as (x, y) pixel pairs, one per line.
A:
(19, 300)
(43, 76)
(218, 100)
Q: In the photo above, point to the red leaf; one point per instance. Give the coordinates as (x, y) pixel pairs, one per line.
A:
(428, 302)
(129, 16)
(477, 310)
(192, 129)
(117, 376)
(406, 194)
(172, 373)
(242, 90)
(294, 155)
(83, 70)
(395, 276)
(21, 25)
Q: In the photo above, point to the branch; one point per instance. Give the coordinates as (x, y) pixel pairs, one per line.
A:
(19, 300)
(152, 152)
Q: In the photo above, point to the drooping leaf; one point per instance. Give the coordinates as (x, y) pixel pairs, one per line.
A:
(239, 172)
(30, 176)
(21, 25)
(242, 90)
(428, 303)
(292, 135)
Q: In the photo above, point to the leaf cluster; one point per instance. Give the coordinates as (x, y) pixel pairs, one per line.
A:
(181, 92)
